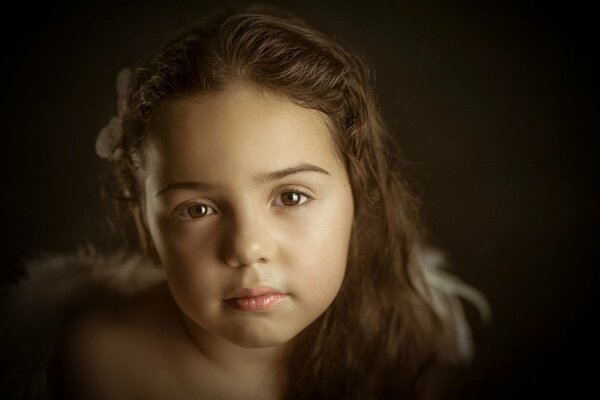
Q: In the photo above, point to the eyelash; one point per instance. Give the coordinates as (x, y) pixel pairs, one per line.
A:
(183, 213)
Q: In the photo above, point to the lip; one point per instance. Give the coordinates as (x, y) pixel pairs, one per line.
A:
(258, 298)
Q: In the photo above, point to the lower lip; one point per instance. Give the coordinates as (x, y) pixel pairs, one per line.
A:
(256, 303)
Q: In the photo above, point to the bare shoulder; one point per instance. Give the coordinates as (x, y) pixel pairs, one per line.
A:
(112, 350)
(90, 356)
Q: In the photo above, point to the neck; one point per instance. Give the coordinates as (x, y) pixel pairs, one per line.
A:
(259, 370)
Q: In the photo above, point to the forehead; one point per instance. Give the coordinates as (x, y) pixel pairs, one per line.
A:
(235, 130)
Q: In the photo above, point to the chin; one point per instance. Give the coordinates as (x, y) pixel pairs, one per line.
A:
(255, 339)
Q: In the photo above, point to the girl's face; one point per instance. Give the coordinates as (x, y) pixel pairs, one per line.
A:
(250, 210)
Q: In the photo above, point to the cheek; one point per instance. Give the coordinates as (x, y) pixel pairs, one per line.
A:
(189, 255)
(321, 252)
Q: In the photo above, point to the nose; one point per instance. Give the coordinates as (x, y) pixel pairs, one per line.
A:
(248, 241)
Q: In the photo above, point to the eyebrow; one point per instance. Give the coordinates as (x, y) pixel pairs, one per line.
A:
(263, 177)
(282, 173)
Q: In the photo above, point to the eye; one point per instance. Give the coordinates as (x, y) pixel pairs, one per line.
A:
(196, 210)
(292, 199)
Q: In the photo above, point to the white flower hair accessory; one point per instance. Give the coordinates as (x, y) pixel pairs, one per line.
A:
(108, 142)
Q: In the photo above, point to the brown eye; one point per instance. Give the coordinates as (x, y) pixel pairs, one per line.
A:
(198, 210)
(291, 199)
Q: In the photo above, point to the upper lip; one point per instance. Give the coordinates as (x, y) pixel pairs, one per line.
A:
(253, 292)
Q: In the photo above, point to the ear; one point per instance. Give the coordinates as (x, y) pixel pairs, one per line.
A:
(144, 233)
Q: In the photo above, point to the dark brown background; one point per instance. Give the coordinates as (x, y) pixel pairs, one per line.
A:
(492, 102)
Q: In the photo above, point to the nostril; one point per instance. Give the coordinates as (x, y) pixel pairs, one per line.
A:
(233, 259)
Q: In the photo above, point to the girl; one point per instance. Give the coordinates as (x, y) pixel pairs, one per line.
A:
(251, 166)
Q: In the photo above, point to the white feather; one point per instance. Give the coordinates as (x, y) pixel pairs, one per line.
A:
(444, 291)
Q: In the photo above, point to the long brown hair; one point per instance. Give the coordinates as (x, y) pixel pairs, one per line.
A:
(381, 336)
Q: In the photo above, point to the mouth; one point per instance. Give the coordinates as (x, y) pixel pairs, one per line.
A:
(259, 298)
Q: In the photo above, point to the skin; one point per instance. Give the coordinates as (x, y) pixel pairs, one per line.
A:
(242, 188)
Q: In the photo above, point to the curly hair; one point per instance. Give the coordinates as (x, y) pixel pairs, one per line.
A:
(382, 336)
